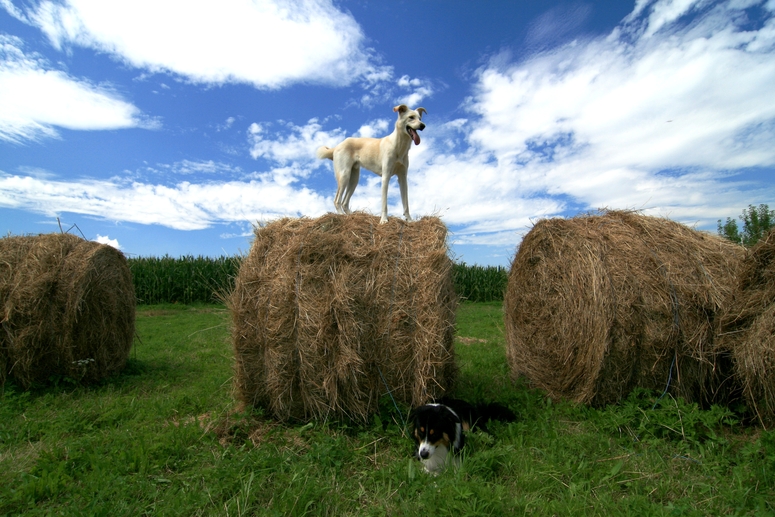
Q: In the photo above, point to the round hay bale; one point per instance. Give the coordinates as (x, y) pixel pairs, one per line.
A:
(329, 313)
(600, 304)
(68, 309)
(747, 329)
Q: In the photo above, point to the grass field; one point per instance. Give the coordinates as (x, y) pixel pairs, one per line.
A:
(145, 443)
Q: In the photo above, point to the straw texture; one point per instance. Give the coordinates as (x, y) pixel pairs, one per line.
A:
(329, 313)
(68, 309)
(603, 303)
(747, 329)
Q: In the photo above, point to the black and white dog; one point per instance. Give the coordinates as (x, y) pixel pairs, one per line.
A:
(439, 429)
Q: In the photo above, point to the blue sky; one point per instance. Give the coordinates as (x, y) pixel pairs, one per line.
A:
(172, 126)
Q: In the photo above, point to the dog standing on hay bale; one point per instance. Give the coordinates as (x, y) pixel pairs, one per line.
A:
(386, 157)
(330, 314)
(598, 305)
(68, 309)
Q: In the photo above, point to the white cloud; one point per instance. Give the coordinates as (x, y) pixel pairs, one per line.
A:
(285, 143)
(187, 167)
(557, 23)
(665, 12)
(416, 91)
(36, 99)
(13, 11)
(660, 115)
(665, 114)
(226, 125)
(105, 239)
(266, 43)
(184, 206)
(375, 129)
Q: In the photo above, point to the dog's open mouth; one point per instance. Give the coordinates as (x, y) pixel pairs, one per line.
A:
(413, 134)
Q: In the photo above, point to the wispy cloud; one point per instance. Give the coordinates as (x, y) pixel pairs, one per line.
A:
(266, 43)
(285, 143)
(183, 206)
(415, 90)
(659, 115)
(663, 120)
(557, 24)
(36, 99)
(203, 167)
(373, 129)
(668, 113)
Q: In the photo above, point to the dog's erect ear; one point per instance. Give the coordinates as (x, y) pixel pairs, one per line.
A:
(401, 108)
(421, 111)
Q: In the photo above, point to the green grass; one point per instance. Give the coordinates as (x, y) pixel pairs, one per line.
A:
(144, 443)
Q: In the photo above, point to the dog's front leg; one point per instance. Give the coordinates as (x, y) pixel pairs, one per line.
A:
(404, 191)
(385, 183)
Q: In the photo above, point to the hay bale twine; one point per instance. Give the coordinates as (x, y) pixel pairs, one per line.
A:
(603, 303)
(68, 309)
(327, 313)
(747, 329)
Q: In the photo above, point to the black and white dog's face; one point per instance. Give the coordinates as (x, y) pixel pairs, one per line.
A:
(438, 431)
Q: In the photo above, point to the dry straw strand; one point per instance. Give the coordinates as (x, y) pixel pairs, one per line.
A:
(747, 329)
(68, 309)
(328, 311)
(602, 303)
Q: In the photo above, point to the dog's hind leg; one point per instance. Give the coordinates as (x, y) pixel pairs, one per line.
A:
(355, 174)
(343, 172)
(340, 188)
(340, 192)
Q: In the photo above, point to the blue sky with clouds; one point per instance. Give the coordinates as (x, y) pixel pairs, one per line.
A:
(172, 126)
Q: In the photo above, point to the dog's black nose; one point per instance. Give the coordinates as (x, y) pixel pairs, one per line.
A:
(424, 455)
(422, 126)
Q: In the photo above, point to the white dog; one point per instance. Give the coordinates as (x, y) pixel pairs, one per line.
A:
(385, 157)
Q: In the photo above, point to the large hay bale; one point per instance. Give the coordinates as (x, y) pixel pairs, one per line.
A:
(747, 328)
(68, 309)
(600, 304)
(329, 312)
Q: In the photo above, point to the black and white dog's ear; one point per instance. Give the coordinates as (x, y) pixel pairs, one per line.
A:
(453, 417)
(411, 420)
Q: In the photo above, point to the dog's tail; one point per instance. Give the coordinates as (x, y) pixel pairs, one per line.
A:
(324, 152)
(495, 411)
(480, 414)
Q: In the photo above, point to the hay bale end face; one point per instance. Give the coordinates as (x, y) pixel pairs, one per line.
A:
(747, 329)
(67, 309)
(329, 313)
(600, 304)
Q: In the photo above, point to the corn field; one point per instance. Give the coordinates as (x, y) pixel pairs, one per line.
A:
(183, 280)
(191, 279)
(480, 283)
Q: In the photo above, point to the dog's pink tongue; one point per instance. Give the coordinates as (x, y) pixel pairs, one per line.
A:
(414, 136)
